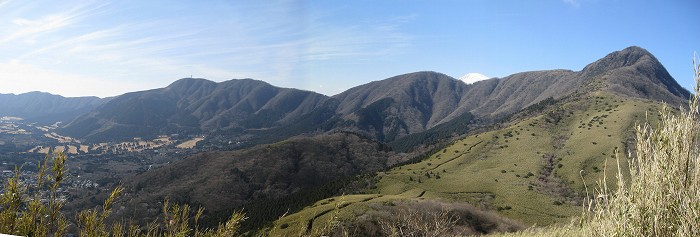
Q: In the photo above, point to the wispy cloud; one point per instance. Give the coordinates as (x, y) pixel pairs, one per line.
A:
(28, 29)
(71, 42)
(361, 40)
(272, 41)
(574, 3)
(3, 3)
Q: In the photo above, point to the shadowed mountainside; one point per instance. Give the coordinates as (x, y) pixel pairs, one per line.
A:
(195, 106)
(222, 181)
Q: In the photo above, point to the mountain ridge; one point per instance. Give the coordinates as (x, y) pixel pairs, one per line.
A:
(386, 109)
(195, 105)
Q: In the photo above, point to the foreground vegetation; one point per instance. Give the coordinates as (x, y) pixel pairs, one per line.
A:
(35, 210)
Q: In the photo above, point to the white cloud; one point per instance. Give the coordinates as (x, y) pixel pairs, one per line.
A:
(470, 78)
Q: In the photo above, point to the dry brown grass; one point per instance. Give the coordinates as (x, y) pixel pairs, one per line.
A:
(189, 144)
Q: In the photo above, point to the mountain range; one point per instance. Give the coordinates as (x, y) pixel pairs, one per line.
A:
(386, 110)
(517, 145)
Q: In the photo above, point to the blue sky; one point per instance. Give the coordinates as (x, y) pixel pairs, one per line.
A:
(103, 48)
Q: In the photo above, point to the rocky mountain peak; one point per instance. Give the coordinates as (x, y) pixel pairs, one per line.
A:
(635, 72)
(619, 59)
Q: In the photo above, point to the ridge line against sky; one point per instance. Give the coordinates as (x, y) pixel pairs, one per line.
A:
(101, 48)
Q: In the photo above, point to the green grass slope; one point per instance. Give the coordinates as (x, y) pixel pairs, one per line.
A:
(531, 169)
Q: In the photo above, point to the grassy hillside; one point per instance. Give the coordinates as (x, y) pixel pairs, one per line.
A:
(530, 169)
(660, 196)
(371, 214)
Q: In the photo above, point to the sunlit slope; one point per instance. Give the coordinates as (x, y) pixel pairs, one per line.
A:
(531, 169)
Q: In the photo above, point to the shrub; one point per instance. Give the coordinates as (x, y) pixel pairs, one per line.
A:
(504, 208)
(21, 209)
